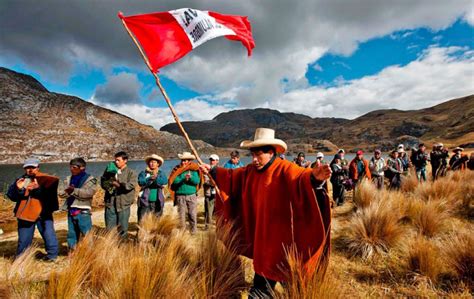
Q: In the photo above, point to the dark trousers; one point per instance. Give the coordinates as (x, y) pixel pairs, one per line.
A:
(45, 225)
(395, 182)
(208, 209)
(154, 207)
(262, 287)
(338, 193)
(378, 181)
(117, 219)
(78, 226)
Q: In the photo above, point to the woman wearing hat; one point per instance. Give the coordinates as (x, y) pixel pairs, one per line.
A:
(152, 182)
(184, 182)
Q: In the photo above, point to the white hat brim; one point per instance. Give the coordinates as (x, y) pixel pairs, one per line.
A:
(186, 157)
(280, 145)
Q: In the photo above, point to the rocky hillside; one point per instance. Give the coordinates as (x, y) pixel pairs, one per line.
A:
(451, 122)
(57, 127)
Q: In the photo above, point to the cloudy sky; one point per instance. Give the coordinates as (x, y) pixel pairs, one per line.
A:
(331, 58)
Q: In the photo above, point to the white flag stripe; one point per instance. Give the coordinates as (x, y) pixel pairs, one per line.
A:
(199, 25)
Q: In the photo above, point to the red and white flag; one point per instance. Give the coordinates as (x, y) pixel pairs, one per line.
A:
(167, 36)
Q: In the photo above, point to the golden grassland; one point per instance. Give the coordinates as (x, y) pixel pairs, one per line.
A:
(416, 242)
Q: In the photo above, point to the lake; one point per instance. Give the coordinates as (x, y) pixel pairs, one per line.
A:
(9, 172)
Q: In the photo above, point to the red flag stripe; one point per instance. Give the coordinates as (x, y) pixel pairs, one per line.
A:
(167, 36)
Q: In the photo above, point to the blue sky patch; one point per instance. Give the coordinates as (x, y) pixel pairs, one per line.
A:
(397, 48)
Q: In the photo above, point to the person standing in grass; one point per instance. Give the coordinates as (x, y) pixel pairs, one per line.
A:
(420, 159)
(337, 178)
(184, 182)
(78, 189)
(273, 204)
(377, 167)
(151, 181)
(458, 161)
(394, 170)
(359, 169)
(209, 193)
(36, 197)
(234, 161)
(438, 160)
(120, 194)
(470, 163)
(402, 154)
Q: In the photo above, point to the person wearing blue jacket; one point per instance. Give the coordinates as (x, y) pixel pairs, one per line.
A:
(234, 161)
(151, 182)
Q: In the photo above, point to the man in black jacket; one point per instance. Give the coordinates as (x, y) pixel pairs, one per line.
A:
(438, 157)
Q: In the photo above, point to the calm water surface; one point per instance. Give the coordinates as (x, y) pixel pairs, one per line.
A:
(9, 172)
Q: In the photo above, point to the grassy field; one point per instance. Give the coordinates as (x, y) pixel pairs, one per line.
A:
(413, 243)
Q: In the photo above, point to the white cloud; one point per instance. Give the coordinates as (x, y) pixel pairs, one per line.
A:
(193, 109)
(439, 74)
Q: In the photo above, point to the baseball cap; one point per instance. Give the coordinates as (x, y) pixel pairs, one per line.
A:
(319, 155)
(31, 162)
(214, 157)
(359, 152)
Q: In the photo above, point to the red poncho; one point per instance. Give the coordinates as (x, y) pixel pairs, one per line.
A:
(272, 209)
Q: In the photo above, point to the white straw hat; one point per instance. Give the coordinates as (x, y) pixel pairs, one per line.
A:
(155, 157)
(264, 136)
(186, 156)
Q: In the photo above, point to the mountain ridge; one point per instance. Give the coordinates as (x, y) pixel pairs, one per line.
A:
(451, 121)
(57, 127)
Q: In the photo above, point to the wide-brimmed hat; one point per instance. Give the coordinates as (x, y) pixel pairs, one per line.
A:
(457, 148)
(263, 137)
(155, 157)
(186, 156)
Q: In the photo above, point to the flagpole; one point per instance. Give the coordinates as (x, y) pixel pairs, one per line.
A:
(165, 95)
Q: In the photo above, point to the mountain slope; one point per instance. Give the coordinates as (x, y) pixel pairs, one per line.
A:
(57, 127)
(451, 122)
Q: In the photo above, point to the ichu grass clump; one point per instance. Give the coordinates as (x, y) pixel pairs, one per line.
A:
(374, 229)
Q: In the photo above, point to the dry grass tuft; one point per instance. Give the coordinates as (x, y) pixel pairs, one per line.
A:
(153, 229)
(220, 273)
(365, 193)
(460, 256)
(424, 258)
(409, 183)
(430, 217)
(374, 229)
(309, 284)
(18, 276)
(168, 264)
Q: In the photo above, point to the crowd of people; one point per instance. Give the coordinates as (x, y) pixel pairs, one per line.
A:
(253, 197)
(390, 171)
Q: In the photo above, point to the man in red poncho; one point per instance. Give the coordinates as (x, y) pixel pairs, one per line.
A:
(273, 204)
